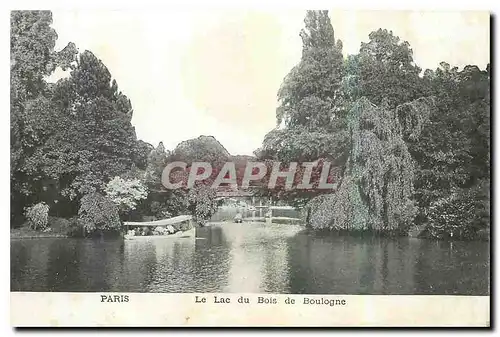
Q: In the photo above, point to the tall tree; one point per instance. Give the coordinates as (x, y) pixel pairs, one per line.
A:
(376, 189)
(87, 135)
(101, 117)
(32, 55)
(311, 98)
(32, 58)
(453, 156)
(311, 116)
(387, 70)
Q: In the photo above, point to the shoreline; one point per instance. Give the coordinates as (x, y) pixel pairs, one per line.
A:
(28, 234)
(21, 233)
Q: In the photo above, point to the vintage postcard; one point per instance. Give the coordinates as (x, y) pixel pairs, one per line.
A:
(292, 168)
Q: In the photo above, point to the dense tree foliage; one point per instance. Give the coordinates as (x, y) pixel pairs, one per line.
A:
(387, 70)
(78, 136)
(98, 213)
(32, 58)
(72, 138)
(311, 99)
(413, 149)
(102, 139)
(310, 96)
(161, 203)
(203, 148)
(312, 115)
(37, 216)
(202, 203)
(376, 192)
(155, 163)
(69, 138)
(126, 194)
(461, 214)
(454, 151)
(410, 149)
(200, 200)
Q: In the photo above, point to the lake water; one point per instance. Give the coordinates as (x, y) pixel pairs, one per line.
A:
(253, 258)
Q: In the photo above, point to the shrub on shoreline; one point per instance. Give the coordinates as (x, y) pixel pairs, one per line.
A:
(37, 216)
(98, 212)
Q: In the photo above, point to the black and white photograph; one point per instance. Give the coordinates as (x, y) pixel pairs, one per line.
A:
(294, 152)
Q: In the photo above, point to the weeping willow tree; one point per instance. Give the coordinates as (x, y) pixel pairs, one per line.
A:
(326, 110)
(376, 190)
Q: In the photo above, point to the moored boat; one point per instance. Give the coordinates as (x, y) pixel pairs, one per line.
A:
(174, 228)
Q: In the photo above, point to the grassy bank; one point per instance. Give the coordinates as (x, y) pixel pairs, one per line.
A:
(60, 228)
(57, 228)
(26, 233)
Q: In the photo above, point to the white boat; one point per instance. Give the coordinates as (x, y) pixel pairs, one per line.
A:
(191, 233)
(166, 223)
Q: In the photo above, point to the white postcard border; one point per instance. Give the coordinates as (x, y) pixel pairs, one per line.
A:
(32, 309)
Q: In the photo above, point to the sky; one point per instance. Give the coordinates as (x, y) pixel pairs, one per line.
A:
(215, 72)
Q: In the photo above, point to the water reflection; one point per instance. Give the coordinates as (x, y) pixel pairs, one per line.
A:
(253, 258)
(259, 257)
(452, 268)
(331, 265)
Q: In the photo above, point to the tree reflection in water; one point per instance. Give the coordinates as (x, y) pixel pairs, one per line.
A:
(253, 258)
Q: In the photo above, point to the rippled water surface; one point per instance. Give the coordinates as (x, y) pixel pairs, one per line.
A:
(254, 258)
